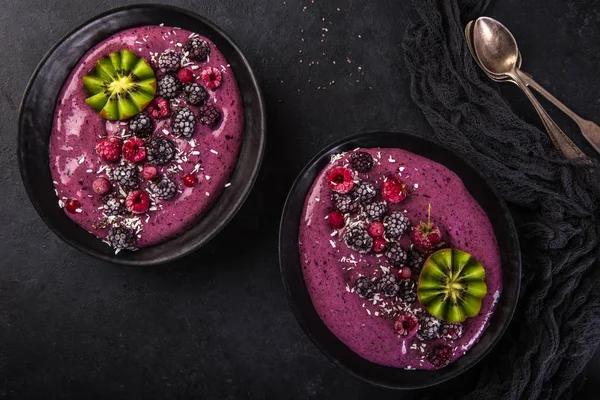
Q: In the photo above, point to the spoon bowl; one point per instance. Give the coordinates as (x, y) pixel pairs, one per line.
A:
(495, 47)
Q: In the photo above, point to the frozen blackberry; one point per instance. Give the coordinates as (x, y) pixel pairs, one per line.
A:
(429, 327)
(113, 206)
(160, 151)
(121, 237)
(344, 203)
(168, 87)
(183, 122)
(126, 175)
(164, 188)
(395, 254)
(195, 94)
(408, 291)
(197, 49)
(388, 285)
(141, 126)
(170, 60)
(364, 192)
(209, 115)
(376, 210)
(364, 287)
(416, 259)
(395, 224)
(440, 356)
(451, 331)
(358, 239)
(361, 161)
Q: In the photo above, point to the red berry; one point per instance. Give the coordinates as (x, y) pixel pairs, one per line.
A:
(134, 150)
(138, 202)
(426, 235)
(159, 108)
(376, 229)
(393, 190)
(185, 75)
(336, 219)
(404, 273)
(341, 180)
(440, 356)
(72, 205)
(211, 77)
(101, 186)
(149, 172)
(190, 180)
(406, 324)
(109, 148)
(379, 244)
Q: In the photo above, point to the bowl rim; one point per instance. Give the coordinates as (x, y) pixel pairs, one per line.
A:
(262, 130)
(300, 315)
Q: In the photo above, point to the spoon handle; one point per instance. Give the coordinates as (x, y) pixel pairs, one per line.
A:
(590, 130)
(559, 138)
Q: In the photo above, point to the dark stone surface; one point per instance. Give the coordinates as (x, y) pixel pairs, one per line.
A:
(217, 324)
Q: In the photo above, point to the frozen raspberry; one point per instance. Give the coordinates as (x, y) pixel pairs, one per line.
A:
(426, 235)
(149, 172)
(159, 108)
(393, 190)
(138, 202)
(404, 272)
(379, 245)
(72, 205)
(134, 150)
(341, 180)
(376, 229)
(109, 149)
(336, 219)
(190, 180)
(101, 186)
(211, 77)
(185, 75)
(406, 325)
(440, 356)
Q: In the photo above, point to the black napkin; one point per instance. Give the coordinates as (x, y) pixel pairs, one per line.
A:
(555, 204)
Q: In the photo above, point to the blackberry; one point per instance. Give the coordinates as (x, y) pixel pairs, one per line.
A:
(395, 254)
(451, 331)
(195, 94)
(429, 327)
(416, 259)
(408, 291)
(183, 122)
(126, 175)
(121, 237)
(361, 161)
(164, 188)
(440, 356)
(364, 287)
(358, 239)
(197, 49)
(141, 126)
(388, 285)
(364, 192)
(113, 206)
(209, 115)
(160, 151)
(168, 87)
(170, 60)
(344, 203)
(376, 210)
(395, 224)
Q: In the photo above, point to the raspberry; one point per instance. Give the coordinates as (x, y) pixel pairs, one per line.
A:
(379, 245)
(72, 205)
(440, 356)
(406, 325)
(426, 235)
(121, 238)
(395, 224)
(376, 229)
(358, 239)
(344, 202)
(364, 287)
(428, 327)
(388, 285)
(376, 210)
(169, 60)
(159, 108)
(211, 78)
(190, 180)
(364, 192)
(164, 189)
(336, 219)
(127, 176)
(183, 122)
(113, 206)
(109, 149)
(185, 75)
(197, 49)
(195, 94)
(396, 254)
(408, 291)
(404, 273)
(138, 202)
(209, 115)
(160, 150)
(141, 126)
(341, 180)
(393, 190)
(134, 150)
(451, 331)
(361, 161)
(101, 186)
(168, 87)
(149, 172)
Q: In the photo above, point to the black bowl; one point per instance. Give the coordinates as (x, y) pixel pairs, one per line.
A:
(36, 117)
(299, 297)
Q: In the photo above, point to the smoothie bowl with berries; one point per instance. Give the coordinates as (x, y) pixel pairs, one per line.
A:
(399, 260)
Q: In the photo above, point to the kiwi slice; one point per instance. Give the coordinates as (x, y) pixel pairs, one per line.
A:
(452, 285)
(121, 85)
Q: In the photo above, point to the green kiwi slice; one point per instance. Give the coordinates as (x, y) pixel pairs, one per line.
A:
(452, 285)
(121, 85)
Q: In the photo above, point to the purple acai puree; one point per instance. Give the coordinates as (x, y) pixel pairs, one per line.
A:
(211, 154)
(330, 268)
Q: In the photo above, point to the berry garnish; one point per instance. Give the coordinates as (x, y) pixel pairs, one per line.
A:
(388, 285)
(168, 86)
(134, 150)
(379, 245)
(211, 77)
(169, 60)
(404, 272)
(197, 49)
(341, 180)
(72, 205)
(426, 235)
(101, 186)
(364, 287)
(344, 202)
(183, 122)
(336, 219)
(395, 254)
(149, 172)
(190, 180)
(451, 331)
(121, 237)
(429, 327)
(406, 325)
(440, 356)
(209, 115)
(376, 210)
(358, 239)
(408, 291)
(393, 190)
(159, 108)
(138, 202)
(376, 229)
(109, 149)
(185, 75)
(141, 126)
(361, 161)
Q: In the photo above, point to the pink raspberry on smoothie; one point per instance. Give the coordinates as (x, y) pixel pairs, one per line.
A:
(134, 150)
(159, 108)
(185, 75)
(138, 202)
(336, 219)
(149, 172)
(426, 235)
(393, 190)
(101, 186)
(211, 77)
(376, 229)
(109, 149)
(341, 180)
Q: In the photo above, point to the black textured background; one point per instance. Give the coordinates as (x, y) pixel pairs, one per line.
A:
(217, 324)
